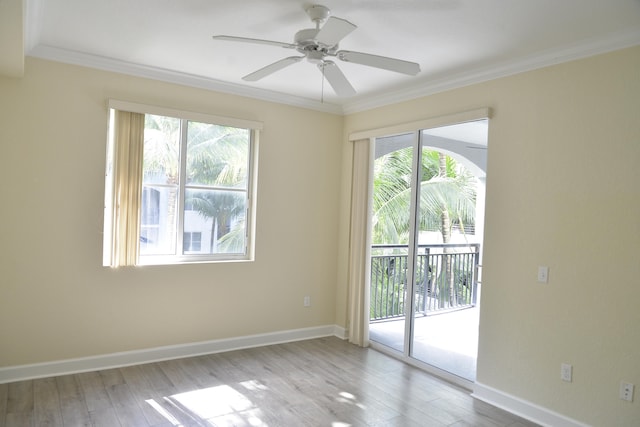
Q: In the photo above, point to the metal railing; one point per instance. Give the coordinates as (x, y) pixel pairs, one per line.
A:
(445, 279)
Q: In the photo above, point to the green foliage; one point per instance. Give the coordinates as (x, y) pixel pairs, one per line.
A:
(162, 147)
(391, 196)
(447, 197)
(452, 192)
(456, 196)
(216, 157)
(459, 275)
(389, 283)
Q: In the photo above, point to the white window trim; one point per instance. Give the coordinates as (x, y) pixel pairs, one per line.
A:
(189, 115)
(446, 120)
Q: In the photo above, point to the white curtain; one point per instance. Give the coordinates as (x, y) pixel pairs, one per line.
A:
(127, 187)
(359, 244)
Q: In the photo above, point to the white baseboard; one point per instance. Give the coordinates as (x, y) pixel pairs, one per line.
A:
(523, 408)
(340, 332)
(128, 358)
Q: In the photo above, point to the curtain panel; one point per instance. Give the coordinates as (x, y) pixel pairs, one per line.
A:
(127, 156)
(359, 269)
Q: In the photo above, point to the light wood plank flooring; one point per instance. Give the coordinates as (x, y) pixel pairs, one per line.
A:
(320, 382)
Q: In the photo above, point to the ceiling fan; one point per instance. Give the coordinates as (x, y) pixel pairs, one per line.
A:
(316, 44)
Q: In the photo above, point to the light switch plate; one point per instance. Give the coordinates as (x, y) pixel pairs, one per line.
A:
(566, 372)
(543, 274)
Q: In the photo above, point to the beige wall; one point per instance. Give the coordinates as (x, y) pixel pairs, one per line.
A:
(57, 302)
(563, 190)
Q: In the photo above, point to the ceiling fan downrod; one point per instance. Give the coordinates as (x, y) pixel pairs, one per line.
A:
(318, 14)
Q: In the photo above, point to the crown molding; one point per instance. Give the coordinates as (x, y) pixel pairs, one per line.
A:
(169, 76)
(616, 41)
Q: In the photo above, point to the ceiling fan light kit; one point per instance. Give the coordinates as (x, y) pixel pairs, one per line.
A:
(316, 44)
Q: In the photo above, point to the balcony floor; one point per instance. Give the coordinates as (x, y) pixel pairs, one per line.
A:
(448, 341)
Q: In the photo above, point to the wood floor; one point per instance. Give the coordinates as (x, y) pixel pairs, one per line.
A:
(320, 382)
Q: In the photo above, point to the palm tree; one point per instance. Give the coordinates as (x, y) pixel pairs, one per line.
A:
(161, 163)
(391, 197)
(222, 208)
(216, 159)
(447, 198)
(217, 155)
(162, 147)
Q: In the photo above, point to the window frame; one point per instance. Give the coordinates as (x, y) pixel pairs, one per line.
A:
(179, 257)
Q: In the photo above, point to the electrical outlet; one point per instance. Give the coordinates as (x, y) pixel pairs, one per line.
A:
(626, 391)
(307, 301)
(566, 372)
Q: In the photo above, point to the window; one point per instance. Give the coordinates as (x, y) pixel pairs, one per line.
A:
(179, 187)
(149, 217)
(192, 241)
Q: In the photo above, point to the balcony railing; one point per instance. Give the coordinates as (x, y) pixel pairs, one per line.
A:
(445, 279)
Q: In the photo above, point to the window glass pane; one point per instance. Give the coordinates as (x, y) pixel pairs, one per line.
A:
(158, 220)
(217, 155)
(161, 150)
(191, 242)
(218, 216)
(161, 165)
(150, 207)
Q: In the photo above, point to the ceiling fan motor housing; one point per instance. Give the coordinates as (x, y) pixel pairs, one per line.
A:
(308, 45)
(306, 39)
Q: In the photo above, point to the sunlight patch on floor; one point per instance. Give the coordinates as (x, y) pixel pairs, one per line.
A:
(220, 405)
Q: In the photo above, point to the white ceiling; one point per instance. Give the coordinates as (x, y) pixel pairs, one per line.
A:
(456, 42)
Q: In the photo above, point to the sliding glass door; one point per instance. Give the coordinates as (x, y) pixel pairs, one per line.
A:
(393, 198)
(426, 241)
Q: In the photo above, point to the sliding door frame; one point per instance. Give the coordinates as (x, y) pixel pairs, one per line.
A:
(415, 128)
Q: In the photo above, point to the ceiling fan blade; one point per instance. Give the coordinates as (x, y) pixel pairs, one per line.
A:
(272, 68)
(391, 64)
(255, 41)
(334, 30)
(336, 79)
